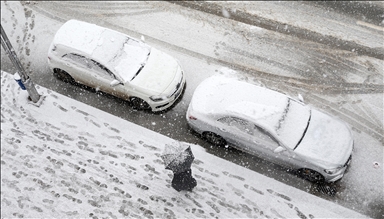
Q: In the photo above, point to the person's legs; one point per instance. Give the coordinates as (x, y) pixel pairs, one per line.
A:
(183, 181)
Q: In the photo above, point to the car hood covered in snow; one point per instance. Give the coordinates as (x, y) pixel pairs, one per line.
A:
(130, 60)
(328, 142)
(158, 72)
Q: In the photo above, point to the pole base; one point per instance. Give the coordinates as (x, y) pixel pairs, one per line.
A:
(38, 103)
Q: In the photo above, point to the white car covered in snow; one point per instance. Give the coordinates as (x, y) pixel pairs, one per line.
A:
(272, 126)
(117, 64)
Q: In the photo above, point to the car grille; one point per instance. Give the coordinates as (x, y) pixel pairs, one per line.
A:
(348, 161)
(178, 91)
(178, 88)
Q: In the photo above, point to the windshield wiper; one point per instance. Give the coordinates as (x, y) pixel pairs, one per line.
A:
(282, 118)
(142, 66)
(305, 131)
(138, 71)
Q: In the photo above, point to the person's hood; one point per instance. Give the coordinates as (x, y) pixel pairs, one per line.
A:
(158, 73)
(327, 143)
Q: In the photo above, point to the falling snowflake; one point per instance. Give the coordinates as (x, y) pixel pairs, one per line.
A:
(225, 13)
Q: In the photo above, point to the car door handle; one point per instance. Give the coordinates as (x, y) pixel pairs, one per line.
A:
(222, 129)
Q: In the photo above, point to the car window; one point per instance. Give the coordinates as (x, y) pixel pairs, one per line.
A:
(101, 70)
(84, 62)
(237, 123)
(264, 136)
(77, 60)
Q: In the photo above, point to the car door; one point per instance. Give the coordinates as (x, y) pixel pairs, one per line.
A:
(104, 77)
(235, 131)
(264, 143)
(78, 67)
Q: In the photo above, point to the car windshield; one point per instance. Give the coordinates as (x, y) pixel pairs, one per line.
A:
(293, 123)
(131, 59)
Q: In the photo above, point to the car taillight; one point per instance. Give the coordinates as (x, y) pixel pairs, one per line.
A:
(192, 118)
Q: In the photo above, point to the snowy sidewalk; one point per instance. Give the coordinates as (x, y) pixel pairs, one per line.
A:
(65, 159)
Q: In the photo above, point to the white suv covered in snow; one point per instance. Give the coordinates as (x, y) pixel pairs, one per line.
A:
(117, 64)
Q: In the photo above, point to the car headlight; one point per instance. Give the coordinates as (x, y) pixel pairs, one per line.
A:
(158, 98)
(333, 171)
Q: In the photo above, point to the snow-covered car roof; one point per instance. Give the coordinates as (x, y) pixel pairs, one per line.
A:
(117, 51)
(267, 108)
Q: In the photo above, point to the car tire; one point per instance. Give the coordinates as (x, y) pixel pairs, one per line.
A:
(139, 104)
(311, 175)
(64, 76)
(214, 139)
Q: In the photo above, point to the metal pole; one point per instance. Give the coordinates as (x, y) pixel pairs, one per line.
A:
(30, 87)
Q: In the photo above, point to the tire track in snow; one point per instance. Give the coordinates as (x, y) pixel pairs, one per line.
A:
(336, 87)
(352, 118)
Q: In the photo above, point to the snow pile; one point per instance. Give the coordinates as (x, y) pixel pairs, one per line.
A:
(66, 159)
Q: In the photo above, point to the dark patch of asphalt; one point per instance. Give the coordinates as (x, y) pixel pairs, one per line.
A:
(370, 11)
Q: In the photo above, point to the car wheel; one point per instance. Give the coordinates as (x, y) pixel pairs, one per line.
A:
(214, 139)
(311, 175)
(64, 76)
(139, 104)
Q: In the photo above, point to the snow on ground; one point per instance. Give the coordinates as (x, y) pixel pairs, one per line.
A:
(67, 159)
(355, 31)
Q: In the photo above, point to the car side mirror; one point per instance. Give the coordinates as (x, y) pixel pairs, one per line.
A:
(301, 99)
(279, 149)
(115, 83)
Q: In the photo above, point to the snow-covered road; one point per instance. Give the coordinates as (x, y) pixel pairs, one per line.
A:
(340, 82)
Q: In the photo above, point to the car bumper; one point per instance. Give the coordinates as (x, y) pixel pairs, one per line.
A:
(339, 174)
(162, 105)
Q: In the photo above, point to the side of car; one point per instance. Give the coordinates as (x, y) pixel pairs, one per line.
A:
(246, 136)
(73, 66)
(249, 137)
